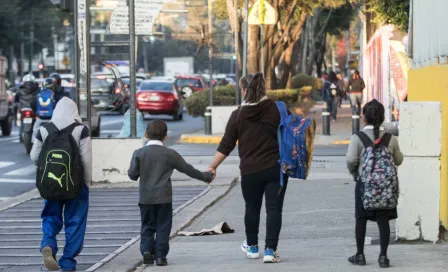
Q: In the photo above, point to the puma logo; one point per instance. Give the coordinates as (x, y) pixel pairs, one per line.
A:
(59, 180)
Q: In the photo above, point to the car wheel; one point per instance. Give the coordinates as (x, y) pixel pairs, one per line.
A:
(7, 126)
(181, 116)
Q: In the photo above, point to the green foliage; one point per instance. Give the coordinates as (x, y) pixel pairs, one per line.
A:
(394, 12)
(303, 80)
(17, 16)
(197, 103)
(340, 19)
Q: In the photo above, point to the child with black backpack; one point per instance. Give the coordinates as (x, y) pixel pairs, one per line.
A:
(61, 151)
(153, 165)
(372, 158)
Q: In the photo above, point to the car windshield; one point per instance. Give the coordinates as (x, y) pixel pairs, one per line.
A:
(127, 80)
(181, 82)
(99, 83)
(157, 86)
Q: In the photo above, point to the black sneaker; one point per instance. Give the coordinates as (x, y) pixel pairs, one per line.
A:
(383, 261)
(148, 258)
(358, 259)
(161, 262)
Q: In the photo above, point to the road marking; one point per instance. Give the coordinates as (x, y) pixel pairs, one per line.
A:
(24, 171)
(4, 180)
(5, 164)
(9, 138)
(111, 122)
(3, 198)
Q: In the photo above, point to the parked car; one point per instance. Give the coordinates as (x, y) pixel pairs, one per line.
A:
(160, 97)
(187, 85)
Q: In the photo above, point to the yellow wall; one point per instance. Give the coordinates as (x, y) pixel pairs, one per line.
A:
(431, 84)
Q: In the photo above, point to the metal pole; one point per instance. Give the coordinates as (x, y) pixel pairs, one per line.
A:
(208, 121)
(132, 67)
(325, 122)
(210, 49)
(75, 58)
(145, 57)
(262, 49)
(22, 59)
(30, 64)
(237, 52)
(246, 15)
(88, 67)
(356, 126)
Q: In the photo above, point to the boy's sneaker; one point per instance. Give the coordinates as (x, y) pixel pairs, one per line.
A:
(148, 258)
(49, 259)
(270, 256)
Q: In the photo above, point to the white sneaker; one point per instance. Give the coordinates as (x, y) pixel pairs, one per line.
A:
(252, 252)
(244, 246)
(270, 256)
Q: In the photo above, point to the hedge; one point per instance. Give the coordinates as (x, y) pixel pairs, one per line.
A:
(299, 101)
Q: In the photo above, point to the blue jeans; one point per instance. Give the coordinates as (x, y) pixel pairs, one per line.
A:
(75, 221)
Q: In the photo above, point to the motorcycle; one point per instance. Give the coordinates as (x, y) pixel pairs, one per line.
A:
(28, 118)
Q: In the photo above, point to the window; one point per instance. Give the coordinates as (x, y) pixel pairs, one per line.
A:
(157, 86)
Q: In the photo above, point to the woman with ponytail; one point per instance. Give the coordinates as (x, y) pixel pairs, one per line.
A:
(373, 115)
(254, 125)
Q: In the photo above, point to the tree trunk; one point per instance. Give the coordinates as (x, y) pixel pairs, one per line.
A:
(293, 65)
(253, 50)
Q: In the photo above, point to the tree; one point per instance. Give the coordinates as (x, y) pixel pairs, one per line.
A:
(280, 39)
(394, 12)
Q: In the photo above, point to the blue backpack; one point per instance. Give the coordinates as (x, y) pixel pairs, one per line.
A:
(291, 135)
(45, 104)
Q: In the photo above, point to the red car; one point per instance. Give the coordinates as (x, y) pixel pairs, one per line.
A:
(159, 97)
(187, 85)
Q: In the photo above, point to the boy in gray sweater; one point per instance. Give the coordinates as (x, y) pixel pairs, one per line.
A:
(154, 164)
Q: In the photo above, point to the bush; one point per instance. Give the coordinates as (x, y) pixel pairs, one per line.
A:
(298, 101)
(302, 80)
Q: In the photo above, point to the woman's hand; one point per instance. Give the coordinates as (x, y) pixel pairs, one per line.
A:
(212, 170)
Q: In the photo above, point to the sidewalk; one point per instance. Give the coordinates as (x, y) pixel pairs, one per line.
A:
(317, 233)
(340, 131)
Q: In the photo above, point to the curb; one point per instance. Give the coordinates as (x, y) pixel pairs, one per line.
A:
(14, 201)
(343, 142)
(200, 139)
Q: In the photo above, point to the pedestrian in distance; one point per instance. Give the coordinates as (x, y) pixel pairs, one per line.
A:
(153, 165)
(341, 86)
(61, 151)
(372, 158)
(356, 87)
(254, 125)
(332, 95)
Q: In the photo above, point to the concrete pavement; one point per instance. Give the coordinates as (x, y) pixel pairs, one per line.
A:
(317, 234)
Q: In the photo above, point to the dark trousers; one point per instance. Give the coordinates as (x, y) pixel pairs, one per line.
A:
(75, 221)
(254, 186)
(157, 220)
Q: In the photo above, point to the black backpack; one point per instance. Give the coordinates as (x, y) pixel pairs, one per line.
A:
(60, 174)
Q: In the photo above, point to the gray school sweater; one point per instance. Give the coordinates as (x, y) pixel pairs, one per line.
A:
(154, 164)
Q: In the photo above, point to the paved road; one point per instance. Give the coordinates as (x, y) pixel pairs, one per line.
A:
(17, 173)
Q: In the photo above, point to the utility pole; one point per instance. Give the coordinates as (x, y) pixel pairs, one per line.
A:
(145, 56)
(30, 65)
(246, 22)
(133, 112)
(22, 59)
(210, 49)
(237, 51)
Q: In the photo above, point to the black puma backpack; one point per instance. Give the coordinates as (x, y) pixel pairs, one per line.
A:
(60, 174)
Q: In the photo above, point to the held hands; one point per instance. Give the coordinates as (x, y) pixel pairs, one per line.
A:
(213, 171)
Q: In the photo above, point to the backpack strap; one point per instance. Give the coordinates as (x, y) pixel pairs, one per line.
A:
(385, 140)
(51, 128)
(71, 127)
(366, 141)
(282, 109)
